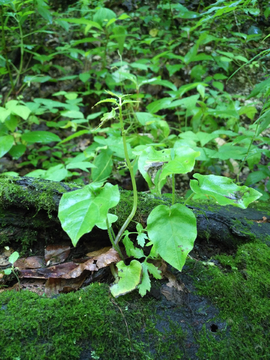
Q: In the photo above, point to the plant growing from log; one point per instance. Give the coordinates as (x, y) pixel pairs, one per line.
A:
(171, 230)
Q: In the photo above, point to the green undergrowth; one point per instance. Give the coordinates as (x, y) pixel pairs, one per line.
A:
(240, 288)
(83, 325)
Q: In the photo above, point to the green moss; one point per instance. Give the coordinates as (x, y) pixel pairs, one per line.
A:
(86, 322)
(240, 287)
(40, 194)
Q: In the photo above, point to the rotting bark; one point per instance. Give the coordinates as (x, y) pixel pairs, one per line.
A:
(28, 213)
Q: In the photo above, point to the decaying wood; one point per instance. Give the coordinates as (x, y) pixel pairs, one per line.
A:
(28, 213)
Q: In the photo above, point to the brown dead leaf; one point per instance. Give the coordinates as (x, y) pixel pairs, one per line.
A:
(96, 263)
(56, 286)
(56, 254)
(264, 220)
(56, 271)
(31, 262)
(98, 252)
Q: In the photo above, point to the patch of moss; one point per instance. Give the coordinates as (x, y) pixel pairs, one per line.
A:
(240, 287)
(84, 325)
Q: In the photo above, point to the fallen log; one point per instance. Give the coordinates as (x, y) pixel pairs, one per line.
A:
(28, 214)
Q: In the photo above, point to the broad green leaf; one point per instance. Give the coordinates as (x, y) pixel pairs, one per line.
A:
(72, 114)
(260, 88)
(82, 21)
(182, 163)
(165, 83)
(149, 156)
(102, 224)
(82, 165)
(37, 174)
(173, 231)
(103, 15)
(43, 137)
(103, 165)
(11, 122)
(80, 210)
(184, 13)
(255, 177)
(223, 190)
(84, 76)
(130, 277)
(115, 144)
(17, 151)
(20, 110)
(13, 257)
(43, 10)
(229, 151)
(4, 114)
(157, 105)
(6, 143)
(56, 173)
(36, 78)
(120, 34)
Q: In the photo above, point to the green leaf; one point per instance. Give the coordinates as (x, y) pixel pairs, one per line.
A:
(20, 110)
(84, 76)
(43, 10)
(182, 163)
(261, 88)
(184, 13)
(103, 15)
(80, 210)
(43, 137)
(173, 231)
(55, 173)
(141, 239)
(229, 151)
(153, 270)
(149, 156)
(82, 165)
(223, 190)
(13, 257)
(130, 277)
(82, 21)
(120, 34)
(11, 122)
(145, 284)
(6, 143)
(75, 135)
(165, 83)
(255, 177)
(129, 246)
(157, 105)
(4, 114)
(17, 151)
(103, 165)
(36, 78)
(72, 114)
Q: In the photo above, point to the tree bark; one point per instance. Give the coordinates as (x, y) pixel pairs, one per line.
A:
(28, 214)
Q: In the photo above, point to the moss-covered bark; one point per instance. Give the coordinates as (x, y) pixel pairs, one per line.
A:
(28, 213)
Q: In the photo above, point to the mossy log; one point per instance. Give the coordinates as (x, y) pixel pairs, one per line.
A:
(28, 213)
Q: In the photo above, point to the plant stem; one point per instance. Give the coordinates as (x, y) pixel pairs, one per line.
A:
(112, 239)
(189, 198)
(173, 189)
(133, 181)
